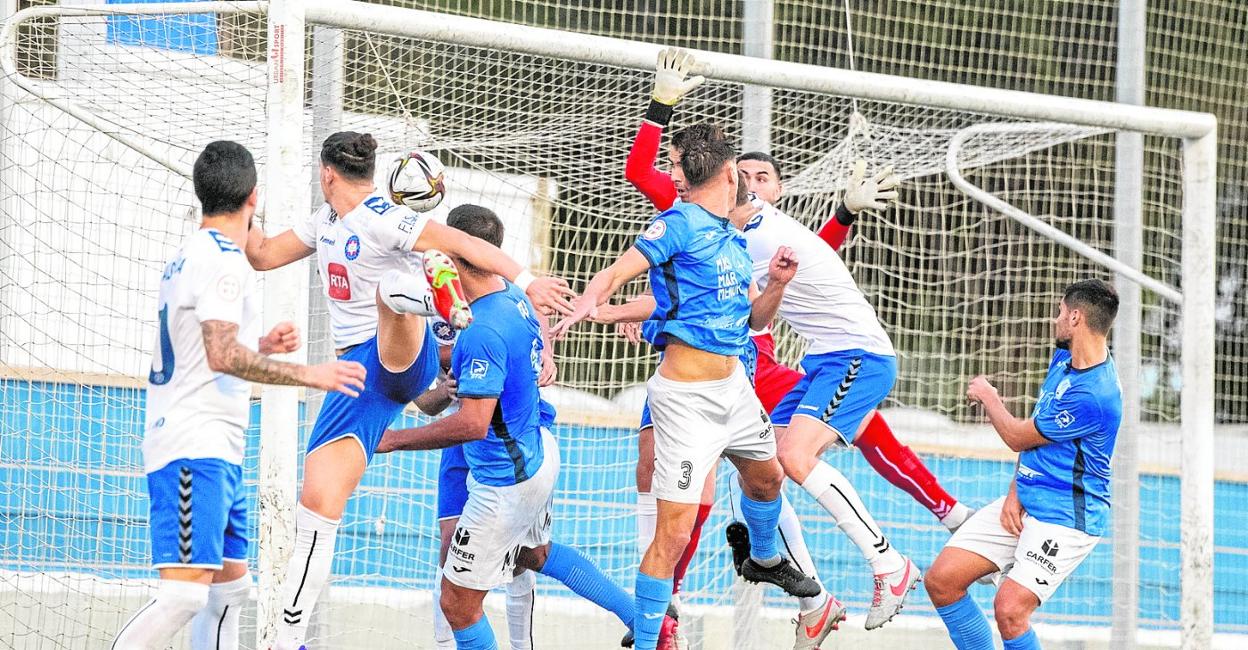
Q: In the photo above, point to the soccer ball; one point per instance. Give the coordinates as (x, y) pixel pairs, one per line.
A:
(418, 181)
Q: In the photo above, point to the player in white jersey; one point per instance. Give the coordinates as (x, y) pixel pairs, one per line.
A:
(850, 368)
(209, 347)
(365, 247)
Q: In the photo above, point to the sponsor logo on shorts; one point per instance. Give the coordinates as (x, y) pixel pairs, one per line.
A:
(686, 474)
(352, 247)
(768, 429)
(461, 569)
(461, 538)
(1049, 549)
(478, 368)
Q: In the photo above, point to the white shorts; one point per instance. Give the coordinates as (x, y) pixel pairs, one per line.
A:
(1040, 560)
(697, 422)
(500, 520)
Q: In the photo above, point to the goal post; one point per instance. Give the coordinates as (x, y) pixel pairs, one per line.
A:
(525, 116)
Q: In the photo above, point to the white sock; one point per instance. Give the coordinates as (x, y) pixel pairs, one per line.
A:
(647, 520)
(156, 623)
(520, 597)
(215, 627)
(306, 574)
(834, 492)
(958, 514)
(406, 293)
(443, 635)
(793, 545)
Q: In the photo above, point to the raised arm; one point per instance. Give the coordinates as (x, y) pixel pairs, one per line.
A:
(1019, 434)
(764, 304)
(861, 193)
(226, 354)
(602, 286)
(547, 293)
(671, 83)
(265, 253)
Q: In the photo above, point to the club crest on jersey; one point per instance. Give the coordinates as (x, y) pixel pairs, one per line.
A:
(478, 368)
(352, 247)
(656, 230)
(442, 331)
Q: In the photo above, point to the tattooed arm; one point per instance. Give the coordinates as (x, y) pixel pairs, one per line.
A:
(225, 354)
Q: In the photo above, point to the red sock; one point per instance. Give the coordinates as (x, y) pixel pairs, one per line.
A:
(704, 513)
(902, 467)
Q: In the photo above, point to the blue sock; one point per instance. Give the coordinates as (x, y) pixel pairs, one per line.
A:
(653, 596)
(968, 628)
(1027, 641)
(583, 577)
(478, 636)
(761, 517)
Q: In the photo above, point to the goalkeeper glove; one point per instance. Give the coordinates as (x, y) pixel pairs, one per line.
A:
(870, 193)
(671, 76)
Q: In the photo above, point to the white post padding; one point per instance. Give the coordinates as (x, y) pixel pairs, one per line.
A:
(1200, 161)
(285, 299)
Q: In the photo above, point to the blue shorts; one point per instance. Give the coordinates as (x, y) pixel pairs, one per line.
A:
(646, 422)
(198, 515)
(385, 393)
(452, 483)
(839, 389)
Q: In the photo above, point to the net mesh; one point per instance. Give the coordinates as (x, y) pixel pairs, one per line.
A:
(87, 222)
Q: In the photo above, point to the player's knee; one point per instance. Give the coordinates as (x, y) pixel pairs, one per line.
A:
(458, 609)
(943, 587)
(795, 461)
(764, 483)
(1013, 615)
(668, 545)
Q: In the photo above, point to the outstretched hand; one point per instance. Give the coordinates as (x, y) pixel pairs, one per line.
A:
(583, 310)
(875, 193)
(551, 295)
(671, 76)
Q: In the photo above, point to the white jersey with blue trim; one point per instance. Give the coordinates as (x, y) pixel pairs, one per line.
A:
(192, 411)
(353, 251)
(822, 303)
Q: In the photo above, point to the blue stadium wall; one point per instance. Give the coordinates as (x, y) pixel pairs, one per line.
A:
(72, 498)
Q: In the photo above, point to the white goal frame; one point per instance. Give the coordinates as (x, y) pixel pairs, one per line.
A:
(285, 201)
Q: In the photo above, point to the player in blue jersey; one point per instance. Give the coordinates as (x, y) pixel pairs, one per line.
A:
(513, 461)
(208, 350)
(1057, 506)
(701, 400)
(453, 478)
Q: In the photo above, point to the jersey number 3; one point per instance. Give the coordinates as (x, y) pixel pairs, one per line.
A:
(164, 356)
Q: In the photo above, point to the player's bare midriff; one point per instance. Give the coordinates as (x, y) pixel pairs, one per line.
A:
(681, 362)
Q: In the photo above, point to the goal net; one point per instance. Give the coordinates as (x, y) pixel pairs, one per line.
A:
(102, 112)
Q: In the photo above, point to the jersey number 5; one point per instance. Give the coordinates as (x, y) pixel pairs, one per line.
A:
(164, 356)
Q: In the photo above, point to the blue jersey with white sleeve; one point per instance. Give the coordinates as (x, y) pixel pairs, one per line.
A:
(499, 356)
(700, 275)
(1066, 481)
